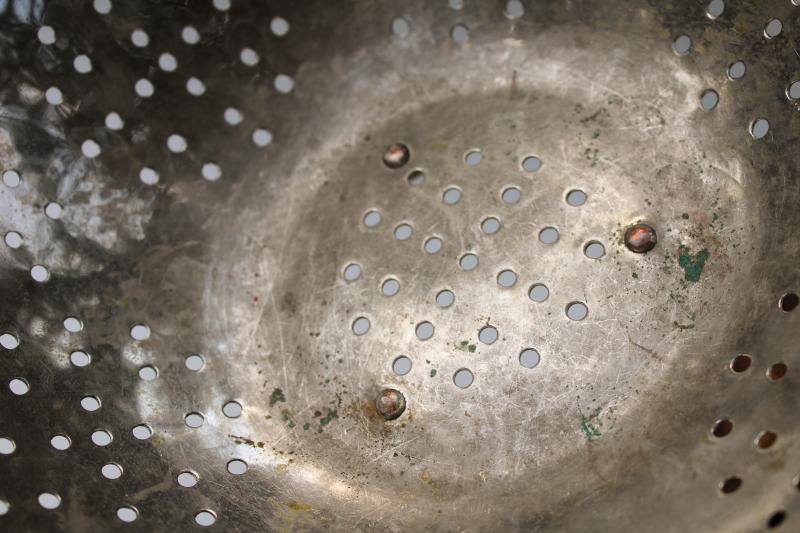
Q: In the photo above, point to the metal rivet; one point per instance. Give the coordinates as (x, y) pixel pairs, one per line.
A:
(640, 238)
(390, 403)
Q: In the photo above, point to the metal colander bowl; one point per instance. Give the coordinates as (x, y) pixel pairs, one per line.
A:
(408, 266)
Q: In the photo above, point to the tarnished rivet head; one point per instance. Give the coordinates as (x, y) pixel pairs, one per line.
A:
(390, 403)
(396, 155)
(640, 238)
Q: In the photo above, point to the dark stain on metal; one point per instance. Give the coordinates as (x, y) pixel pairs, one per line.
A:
(390, 403)
(640, 238)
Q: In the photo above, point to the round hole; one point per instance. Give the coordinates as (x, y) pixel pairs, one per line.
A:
(390, 287)
(360, 325)
(13, 239)
(60, 442)
(176, 143)
(39, 273)
(11, 178)
(233, 116)
(90, 148)
(511, 195)
(416, 177)
(9, 341)
(730, 485)
(237, 467)
(261, 137)
(401, 27)
(232, 409)
(140, 332)
(737, 70)
(80, 359)
(211, 171)
(167, 62)
(793, 91)
(396, 155)
(682, 44)
(126, 513)
(459, 33)
(187, 479)
(773, 28)
(111, 471)
(90, 403)
(249, 57)
(195, 87)
(722, 428)
(488, 335)
(529, 358)
(433, 245)
(148, 373)
(473, 157)
(715, 8)
(740, 363)
(4, 507)
(372, 219)
(283, 83)
(490, 225)
(788, 302)
(424, 330)
(709, 99)
(468, 262)
(82, 64)
(53, 96)
(144, 88)
(594, 250)
(455, 4)
(576, 198)
(139, 38)
(7, 446)
(195, 362)
(205, 518)
(402, 232)
(194, 420)
(577, 311)
(49, 500)
(538, 292)
(103, 7)
(451, 195)
(445, 298)
(352, 272)
(148, 176)
(279, 27)
(53, 210)
(19, 386)
(101, 437)
(46, 35)
(142, 432)
(776, 519)
(463, 378)
(759, 128)
(190, 35)
(548, 235)
(401, 365)
(531, 163)
(776, 371)
(514, 9)
(507, 278)
(73, 324)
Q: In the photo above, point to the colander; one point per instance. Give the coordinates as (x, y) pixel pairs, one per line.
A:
(459, 266)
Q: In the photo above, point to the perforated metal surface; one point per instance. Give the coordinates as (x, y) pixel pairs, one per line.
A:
(312, 266)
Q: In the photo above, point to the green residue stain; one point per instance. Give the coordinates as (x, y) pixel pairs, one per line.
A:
(635, 275)
(291, 424)
(297, 506)
(471, 348)
(306, 426)
(324, 421)
(596, 134)
(588, 429)
(692, 265)
(433, 372)
(276, 396)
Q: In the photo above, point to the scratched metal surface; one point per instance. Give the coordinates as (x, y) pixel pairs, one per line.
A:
(235, 243)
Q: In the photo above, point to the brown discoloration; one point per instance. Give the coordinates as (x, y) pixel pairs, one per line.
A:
(248, 442)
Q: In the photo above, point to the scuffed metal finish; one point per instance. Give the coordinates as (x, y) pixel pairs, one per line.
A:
(249, 212)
